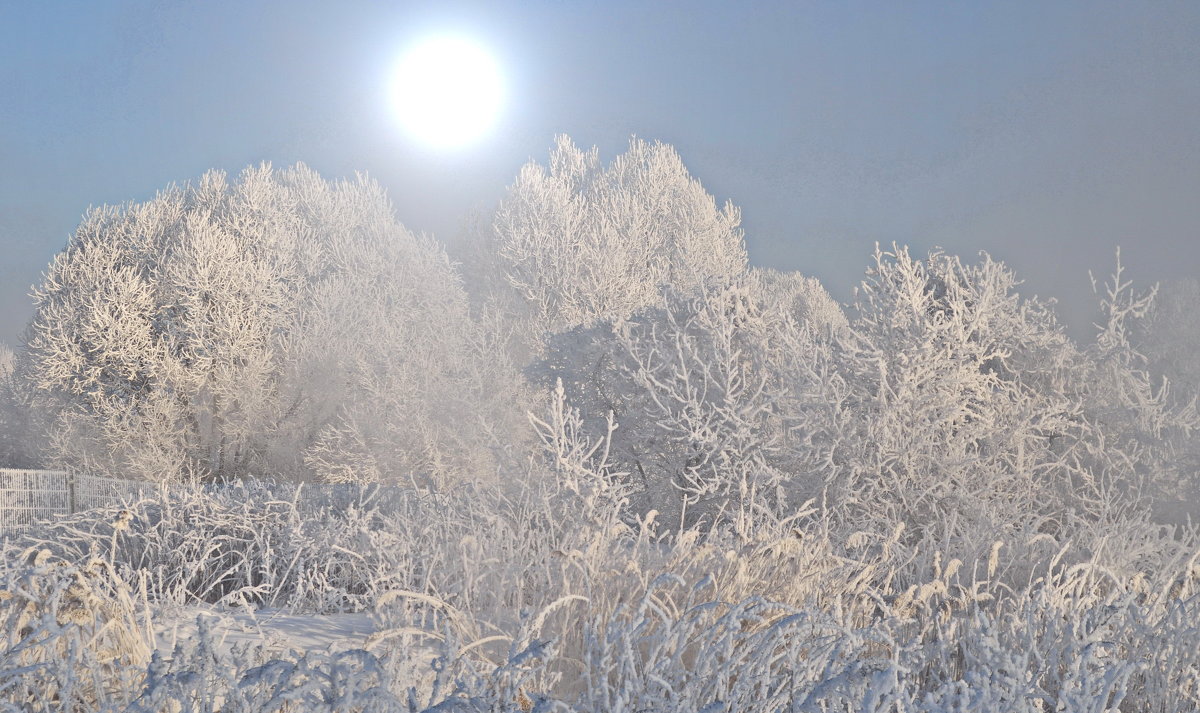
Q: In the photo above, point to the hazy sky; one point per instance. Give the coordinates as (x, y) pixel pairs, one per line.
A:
(1046, 133)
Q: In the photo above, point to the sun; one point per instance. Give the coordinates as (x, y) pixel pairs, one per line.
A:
(447, 91)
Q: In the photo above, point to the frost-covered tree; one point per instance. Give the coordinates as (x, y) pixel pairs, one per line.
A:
(225, 328)
(803, 297)
(961, 402)
(1149, 422)
(946, 402)
(8, 361)
(970, 410)
(580, 241)
(702, 390)
(423, 394)
(18, 440)
(1169, 336)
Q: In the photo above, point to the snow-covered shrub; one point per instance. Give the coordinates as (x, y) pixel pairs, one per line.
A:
(202, 677)
(71, 634)
(960, 404)
(1078, 637)
(701, 389)
(252, 543)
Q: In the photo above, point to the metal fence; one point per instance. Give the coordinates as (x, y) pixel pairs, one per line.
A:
(27, 496)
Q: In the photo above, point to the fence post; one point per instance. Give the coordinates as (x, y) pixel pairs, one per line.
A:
(71, 492)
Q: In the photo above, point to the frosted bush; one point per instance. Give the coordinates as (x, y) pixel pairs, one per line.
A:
(248, 543)
(70, 634)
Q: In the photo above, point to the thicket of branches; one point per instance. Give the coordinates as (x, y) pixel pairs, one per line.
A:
(603, 464)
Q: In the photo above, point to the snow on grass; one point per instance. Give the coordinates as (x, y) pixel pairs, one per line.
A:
(260, 597)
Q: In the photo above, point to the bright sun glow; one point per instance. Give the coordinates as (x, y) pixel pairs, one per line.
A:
(447, 91)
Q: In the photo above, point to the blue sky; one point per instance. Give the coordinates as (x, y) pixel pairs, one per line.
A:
(1045, 133)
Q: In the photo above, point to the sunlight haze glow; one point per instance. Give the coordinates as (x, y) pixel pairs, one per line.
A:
(447, 91)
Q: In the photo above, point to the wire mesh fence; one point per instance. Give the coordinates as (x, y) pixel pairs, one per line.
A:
(31, 496)
(27, 496)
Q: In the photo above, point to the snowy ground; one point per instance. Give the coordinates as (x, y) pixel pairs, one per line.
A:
(276, 630)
